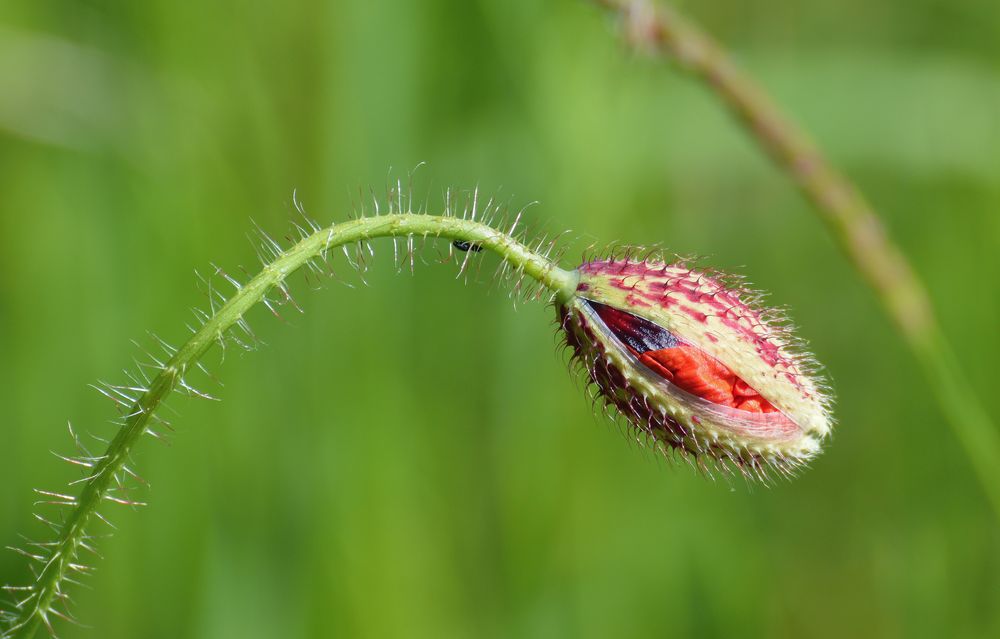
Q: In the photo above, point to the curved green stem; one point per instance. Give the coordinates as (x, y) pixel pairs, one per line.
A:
(36, 611)
(849, 217)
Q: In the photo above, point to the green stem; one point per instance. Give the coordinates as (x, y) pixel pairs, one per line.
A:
(848, 216)
(48, 587)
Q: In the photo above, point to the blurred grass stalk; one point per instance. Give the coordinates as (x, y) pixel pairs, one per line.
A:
(847, 214)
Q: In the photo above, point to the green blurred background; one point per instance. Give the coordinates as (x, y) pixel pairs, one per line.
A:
(411, 459)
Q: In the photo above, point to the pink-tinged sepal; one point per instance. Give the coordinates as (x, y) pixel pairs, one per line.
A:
(692, 360)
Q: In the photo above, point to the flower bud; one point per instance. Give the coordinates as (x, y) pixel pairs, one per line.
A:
(691, 361)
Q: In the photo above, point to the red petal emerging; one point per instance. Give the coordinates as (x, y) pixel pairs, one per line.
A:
(701, 374)
(686, 366)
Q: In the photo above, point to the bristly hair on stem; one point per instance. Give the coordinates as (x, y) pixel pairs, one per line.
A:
(469, 222)
(847, 214)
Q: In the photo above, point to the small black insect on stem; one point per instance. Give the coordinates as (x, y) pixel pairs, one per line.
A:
(467, 246)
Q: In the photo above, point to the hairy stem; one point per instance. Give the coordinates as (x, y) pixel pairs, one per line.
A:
(848, 216)
(47, 589)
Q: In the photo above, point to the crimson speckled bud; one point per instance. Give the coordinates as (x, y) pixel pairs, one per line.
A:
(690, 359)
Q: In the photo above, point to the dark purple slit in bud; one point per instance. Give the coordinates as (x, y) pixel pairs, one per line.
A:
(640, 335)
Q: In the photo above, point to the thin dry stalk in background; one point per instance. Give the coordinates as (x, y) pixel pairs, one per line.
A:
(845, 211)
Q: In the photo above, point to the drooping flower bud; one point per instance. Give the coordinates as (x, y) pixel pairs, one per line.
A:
(691, 361)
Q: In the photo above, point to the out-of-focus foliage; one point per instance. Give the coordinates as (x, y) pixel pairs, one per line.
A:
(411, 459)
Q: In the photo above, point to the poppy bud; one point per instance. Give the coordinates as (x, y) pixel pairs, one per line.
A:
(691, 361)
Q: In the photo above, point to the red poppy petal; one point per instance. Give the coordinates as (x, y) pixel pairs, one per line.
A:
(702, 375)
